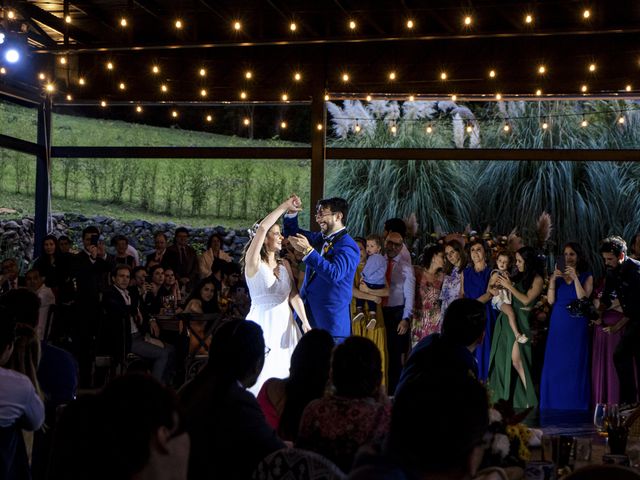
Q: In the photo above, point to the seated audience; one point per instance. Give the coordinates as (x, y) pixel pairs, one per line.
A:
(9, 276)
(174, 297)
(157, 290)
(203, 299)
(131, 430)
(64, 244)
(452, 351)
(35, 282)
(156, 257)
(122, 255)
(183, 259)
(20, 407)
(126, 330)
(436, 431)
(284, 399)
(229, 434)
(52, 264)
(356, 414)
(213, 254)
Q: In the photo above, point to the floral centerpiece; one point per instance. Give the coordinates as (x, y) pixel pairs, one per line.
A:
(507, 439)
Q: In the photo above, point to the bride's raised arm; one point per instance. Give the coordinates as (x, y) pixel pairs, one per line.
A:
(252, 256)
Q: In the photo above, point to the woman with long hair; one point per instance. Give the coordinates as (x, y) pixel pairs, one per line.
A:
(52, 265)
(565, 373)
(452, 285)
(429, 277)
(273, 292)
(508, 355)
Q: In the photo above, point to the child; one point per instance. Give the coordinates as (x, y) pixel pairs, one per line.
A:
(502, 301)
(373, 276)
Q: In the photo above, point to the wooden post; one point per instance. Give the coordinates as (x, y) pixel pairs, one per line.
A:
(43, 163)
(318, 143)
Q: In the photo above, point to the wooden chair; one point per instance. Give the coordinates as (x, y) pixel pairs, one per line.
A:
(297, 464)
(633, 423)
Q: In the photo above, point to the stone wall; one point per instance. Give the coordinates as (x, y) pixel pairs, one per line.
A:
(16, 236)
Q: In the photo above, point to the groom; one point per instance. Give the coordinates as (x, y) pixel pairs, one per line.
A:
(331, 258)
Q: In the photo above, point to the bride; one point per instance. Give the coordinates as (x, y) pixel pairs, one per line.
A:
(272, 288)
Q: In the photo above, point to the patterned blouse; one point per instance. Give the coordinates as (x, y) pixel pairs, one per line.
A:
(451, 287)
(426, 319)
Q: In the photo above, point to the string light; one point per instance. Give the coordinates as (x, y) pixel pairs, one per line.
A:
(326, 98)
(392, 75)
(429, 129)
(394, 129)
(410, 24)
(628, 88)
(528, 18)
(69, 97)
(285, 97)
(538, 92)
(81, 81)
(345, 77)
(42, 76)
(174, 114)
(11, 15)
(492, 74)
(621, 119)
(319, 127)
(283, 125)
(357, 128)
(203, 72)
(454, 98)
(584, 123)
(352, 25)
(122, 86)
(583, 88)
(368, 98)
(506, 127)
(178, 24)
(467, 20)
(542, 69)
(155, 69)
(545, 125)
(123, 22)
(3, 71)
(297, 76)
(248, 74)
(443, 75)
(164, 88)
(237, 26)
(103, 104)
(246, 121)
(411, 98)
(469, 129)
(592, 67)
(243, 95)
(498, 96)
(67, 19)
(50, 87)
(209, 118)
(109, 66)
(203, 93)
(293, 27)
(139, 109)
(586, 14)
(63, 60)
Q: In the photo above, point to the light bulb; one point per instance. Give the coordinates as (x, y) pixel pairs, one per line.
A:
(69, 98)
(411, 98)
(109, 66)
(209, 118)
(628, 88)
(583, 89)
(285, 97)
(246, 121)
(586, 14)
(123, 22)
(443, 76)
(203, 72)
(357, 128)
(42, 76)
(203, 93)
(11, 15)
(454, 98)
(237, 26)
(326, 98)
(409, 24)
(352, 25)
(164, 88)
(139, 109)
(592, 67)
(392, 75)
(103, 104)
(155, 69)
(538, 92)
(243, 95)
(50, 87)
(498, 96)
(429, 129)
(345, 77)
(122, 86)
(394, 129)
(81, 81)
(3, 71)
(492, 73)
(297, 77)
(467, 20)
(528, 19)
(293, 27)
(621, 119)
(319, 127)
(584, 123)
(178, 24)
(67, 19)
(542, 69)
(63, 60)
(506, 128)
(545, 125)
(469, 129)
(174, 114)
(248, 74)
(368, 98)
(283, 125)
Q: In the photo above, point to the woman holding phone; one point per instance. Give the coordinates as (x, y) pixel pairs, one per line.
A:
(565, 381)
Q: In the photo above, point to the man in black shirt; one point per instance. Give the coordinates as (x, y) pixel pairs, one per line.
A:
(623, 282)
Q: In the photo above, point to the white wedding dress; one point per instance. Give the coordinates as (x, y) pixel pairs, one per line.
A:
(270, 309)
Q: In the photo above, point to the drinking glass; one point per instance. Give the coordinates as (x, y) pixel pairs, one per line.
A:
(599, 417)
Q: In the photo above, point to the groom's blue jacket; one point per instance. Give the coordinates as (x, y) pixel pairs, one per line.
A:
(328, 279)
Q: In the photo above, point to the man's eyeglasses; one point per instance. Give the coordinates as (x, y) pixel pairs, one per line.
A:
(323, 214)
(390, 244)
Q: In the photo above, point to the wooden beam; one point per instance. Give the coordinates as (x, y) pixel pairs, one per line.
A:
(43, 181)
(29, 10)
(267, 153)
(19, 145)
(318, 138)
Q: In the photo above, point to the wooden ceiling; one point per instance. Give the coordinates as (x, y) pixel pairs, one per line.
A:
(323, 48)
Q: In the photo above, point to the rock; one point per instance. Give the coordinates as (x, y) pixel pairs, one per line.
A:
(11, 225)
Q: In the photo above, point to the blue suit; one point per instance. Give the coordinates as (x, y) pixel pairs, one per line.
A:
(328, 279)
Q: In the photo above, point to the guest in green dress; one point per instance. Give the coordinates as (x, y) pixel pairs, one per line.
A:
(510, 361)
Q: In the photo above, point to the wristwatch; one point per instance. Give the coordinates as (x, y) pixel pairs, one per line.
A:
(308, 250)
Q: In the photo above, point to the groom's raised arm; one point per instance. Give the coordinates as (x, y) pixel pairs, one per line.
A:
(291, 228)
(342, 263)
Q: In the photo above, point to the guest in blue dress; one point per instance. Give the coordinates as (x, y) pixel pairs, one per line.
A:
(476, 280)
(565, 374)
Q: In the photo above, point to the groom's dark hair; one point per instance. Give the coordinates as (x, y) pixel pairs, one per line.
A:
(336, 204)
